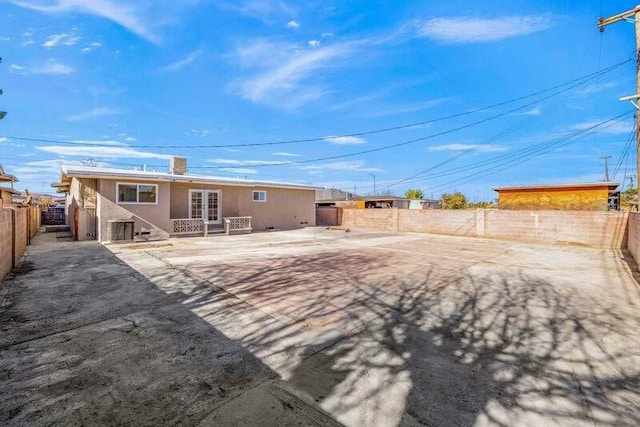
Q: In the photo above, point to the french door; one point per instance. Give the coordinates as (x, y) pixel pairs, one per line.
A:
(205, 204)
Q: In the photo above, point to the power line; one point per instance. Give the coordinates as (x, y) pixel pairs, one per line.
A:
(399, 144)
(578, 82)
(528, 154)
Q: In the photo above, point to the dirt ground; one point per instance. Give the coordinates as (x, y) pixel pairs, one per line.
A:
(320, 327)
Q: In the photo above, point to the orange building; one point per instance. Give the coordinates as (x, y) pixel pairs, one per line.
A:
(597, 196)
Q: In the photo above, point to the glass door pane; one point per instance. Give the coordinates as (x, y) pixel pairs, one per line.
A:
(212, 206)
(196, 204)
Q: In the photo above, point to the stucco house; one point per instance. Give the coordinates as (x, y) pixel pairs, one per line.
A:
(105, 203)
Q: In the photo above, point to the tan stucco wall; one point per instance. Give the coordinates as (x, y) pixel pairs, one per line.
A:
(154, 217)
(565, 199)
(284, 209)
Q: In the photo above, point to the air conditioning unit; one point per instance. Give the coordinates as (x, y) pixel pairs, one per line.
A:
(120, 230)
(178, 165)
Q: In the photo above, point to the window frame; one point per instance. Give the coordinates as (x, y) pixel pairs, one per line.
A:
(253, 193)
(137, 184)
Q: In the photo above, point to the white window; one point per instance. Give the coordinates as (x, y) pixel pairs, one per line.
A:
(137, 193)
(259, 196)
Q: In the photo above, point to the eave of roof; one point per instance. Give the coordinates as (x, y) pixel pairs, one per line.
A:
(107, 173)
(609, 185)
(10, 190)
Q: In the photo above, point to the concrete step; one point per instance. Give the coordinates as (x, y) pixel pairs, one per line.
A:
(55, 228)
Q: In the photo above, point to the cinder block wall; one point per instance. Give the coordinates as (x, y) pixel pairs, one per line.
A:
(6, 245)
(633, 242)
(440, 221)
(379, 219)
(588, 228)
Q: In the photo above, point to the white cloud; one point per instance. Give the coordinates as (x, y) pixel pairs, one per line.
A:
(240, 170)
(91, 47)
(52, 68)
(325, 35)
(27, 38)
(244, 162)
(588, 90)
(98, 151)
(286, 154)
(618, 128)
(198, 132)
(479, 30)
(60, 39)
(122, 14)
(92, 114)
(3, 139)
(264, 10)
(183, 62)
(15, 68)
(284, 72)
(488, 148)
(349, 165)
(535, 111)
(313, 43)
(345, 140)
(294, 25)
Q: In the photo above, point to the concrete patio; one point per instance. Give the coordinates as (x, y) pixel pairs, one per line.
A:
(320, 327)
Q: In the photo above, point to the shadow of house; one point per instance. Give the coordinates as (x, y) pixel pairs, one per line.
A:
(87, 340)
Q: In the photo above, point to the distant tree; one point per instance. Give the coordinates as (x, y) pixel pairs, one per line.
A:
(455, 200)
(482, 205)
(414, 193)
(627, 197)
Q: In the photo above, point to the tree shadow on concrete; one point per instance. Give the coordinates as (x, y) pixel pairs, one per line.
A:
(375, 343)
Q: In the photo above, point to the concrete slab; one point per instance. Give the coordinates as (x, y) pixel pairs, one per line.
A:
(314, 327)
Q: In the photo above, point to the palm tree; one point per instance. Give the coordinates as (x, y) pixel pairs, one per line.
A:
(414, 193)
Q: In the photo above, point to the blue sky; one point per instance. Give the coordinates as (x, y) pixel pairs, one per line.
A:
(122, 81)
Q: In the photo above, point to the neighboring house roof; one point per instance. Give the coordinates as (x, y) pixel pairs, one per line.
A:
(5, 177)
(112, 173)
(10, 190)
(538, 187)
(330, 194)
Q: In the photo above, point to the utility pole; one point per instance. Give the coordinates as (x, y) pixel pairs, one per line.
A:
(633, 16)
(606, 168)
(631, 178)
(374, 183)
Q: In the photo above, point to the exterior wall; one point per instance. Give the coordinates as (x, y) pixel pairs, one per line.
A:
(21, 236)
(17, 227)
(284, 209)
(6, 242)
(152, 217)
(597, 229)
(562, 199)
(380, 219)
(455, 222)
(633, 240)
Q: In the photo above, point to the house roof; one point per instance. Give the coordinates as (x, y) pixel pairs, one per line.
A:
(112, 173)
(5, 177)
(10, 190)
(608, 185)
